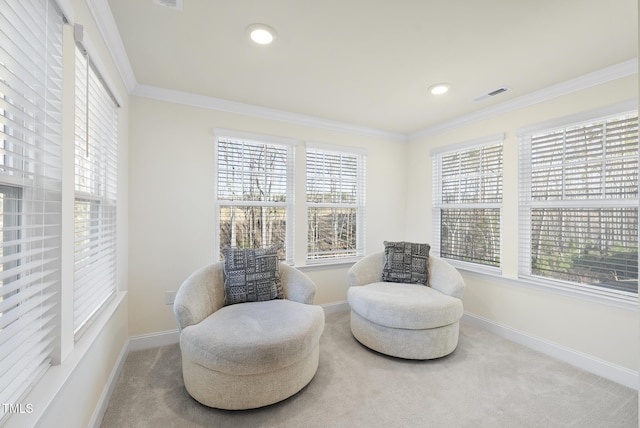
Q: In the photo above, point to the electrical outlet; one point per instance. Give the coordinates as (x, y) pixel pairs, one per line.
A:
(169, 297)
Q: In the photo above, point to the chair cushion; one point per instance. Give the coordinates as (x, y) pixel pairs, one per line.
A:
(252, 338)
(408, 306)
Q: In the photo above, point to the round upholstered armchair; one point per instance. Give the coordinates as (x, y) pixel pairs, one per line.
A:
(250, 354)
(406, 320)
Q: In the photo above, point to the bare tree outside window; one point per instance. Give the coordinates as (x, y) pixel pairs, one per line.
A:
(468, 198)
(252, 194)
(582, 204)
(335, 187)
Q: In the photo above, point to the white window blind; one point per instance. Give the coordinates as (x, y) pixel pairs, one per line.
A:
(30, 191)
(95, 194)
(579, 204)
(467, 191)
(335, 188)
(255, 195)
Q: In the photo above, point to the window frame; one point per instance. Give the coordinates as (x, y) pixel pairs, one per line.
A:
(526, 203)
(15, 193)
(438, 205)
(31, 171)
(288, 204)
(359, 203)
(95, 183)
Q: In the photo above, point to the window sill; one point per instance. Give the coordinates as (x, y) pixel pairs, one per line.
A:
(54, 379)
(475, 268)
(328, 264)
(621, 300)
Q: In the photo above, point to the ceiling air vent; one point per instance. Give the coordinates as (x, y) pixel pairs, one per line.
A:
(171, 4)
(493, 93)
(496, 92)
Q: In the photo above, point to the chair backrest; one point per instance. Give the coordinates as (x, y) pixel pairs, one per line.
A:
(202, 293)
(367, 270)
(296, 285)
(445, 278)
(442, 275)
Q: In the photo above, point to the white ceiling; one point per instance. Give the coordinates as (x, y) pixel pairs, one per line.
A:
(369, 63)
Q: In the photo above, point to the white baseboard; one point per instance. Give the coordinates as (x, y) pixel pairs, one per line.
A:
(332, 308)
(135, 343)
(586, 362)
(105, 397)
(154, 340)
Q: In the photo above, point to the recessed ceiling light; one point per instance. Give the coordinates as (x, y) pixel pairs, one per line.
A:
(439, 89)
(262, 34)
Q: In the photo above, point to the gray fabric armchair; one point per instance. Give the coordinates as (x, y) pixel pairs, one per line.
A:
(410, 321)
(247, 355)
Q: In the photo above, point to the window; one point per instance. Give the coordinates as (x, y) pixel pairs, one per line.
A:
(254, 193)
(335, 203)
(467, 192)
(10, 224)
(95, 194)
(30, 192)
(579, 203)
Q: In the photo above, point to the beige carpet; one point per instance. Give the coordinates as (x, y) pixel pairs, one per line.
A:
(486, 382)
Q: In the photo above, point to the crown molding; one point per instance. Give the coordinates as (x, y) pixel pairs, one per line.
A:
(107, 26)
(211, 103)
(585, 81)
(595, 78)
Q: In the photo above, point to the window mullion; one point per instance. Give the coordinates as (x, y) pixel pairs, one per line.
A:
(603, 162)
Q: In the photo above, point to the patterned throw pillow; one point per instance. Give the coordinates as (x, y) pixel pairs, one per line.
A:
(406, 262)
(251, 275)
